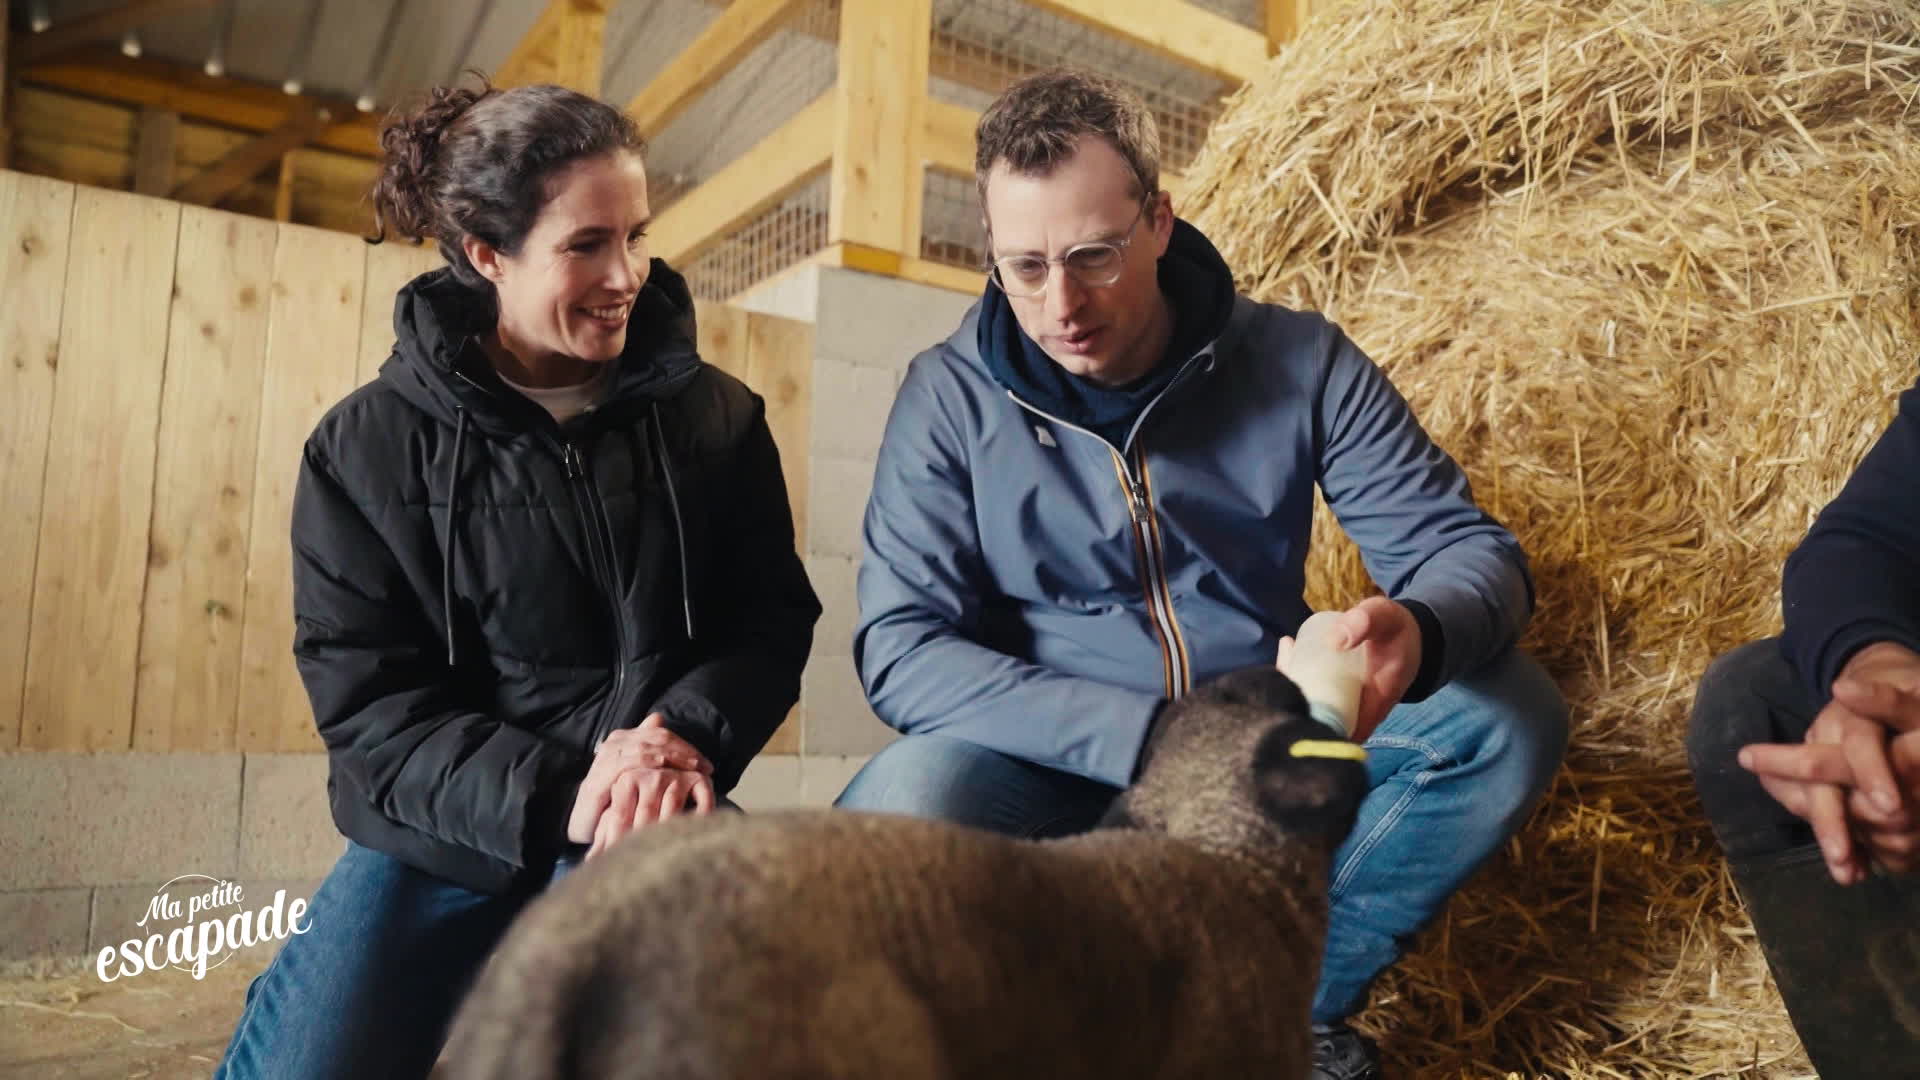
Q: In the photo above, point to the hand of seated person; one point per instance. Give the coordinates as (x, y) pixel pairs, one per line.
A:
(645, 764)
(1856, 778)
(653, 743)
(642, 796)
(1391, 636)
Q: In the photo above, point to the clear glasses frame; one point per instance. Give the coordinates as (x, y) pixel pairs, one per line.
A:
(1095, 265)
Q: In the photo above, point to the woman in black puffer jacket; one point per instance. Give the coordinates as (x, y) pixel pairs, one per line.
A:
(545, 585)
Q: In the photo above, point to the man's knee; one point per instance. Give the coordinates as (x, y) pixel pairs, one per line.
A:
(1749, 695)
(1527, 723)
(916, 775)
(1732, 707)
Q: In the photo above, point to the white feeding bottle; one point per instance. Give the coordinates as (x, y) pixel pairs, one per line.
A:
(1328, 671)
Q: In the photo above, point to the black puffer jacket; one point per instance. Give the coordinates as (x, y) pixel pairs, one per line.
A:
(481, 594)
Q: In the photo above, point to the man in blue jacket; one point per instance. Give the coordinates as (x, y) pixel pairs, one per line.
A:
(1098, 493)
(1806, 754)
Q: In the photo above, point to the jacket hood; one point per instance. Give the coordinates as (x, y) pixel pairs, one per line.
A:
(1199, 288)
(438, 366)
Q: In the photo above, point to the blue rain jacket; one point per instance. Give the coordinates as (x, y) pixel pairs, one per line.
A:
(1030, 587)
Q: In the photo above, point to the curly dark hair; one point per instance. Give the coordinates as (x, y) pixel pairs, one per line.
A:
(475, 162)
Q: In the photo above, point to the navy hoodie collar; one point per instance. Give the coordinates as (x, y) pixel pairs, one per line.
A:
(437, 363)
(1199, 289)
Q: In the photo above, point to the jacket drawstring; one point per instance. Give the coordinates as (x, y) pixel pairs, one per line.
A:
(446, 534)
(679, 527)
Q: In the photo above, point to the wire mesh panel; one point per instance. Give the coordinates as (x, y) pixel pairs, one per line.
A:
(1251, 14)
(785, 234)
(792, 67)
(642, 39)
(952, 232)
(979, 46)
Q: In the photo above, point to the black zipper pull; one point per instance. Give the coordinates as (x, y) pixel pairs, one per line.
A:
(572, 457)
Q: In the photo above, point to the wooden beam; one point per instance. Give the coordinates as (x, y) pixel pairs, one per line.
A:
(971, 282)
(99, 26)
(6, 87)
(190, 92)
(283, 194)
(732, 34)
(248, 160)
(532, 60)
(155, 132)
(1176, 29)
(1284, 20)
(780, 163)
(881, 100)
(578, 42)
(860, 257)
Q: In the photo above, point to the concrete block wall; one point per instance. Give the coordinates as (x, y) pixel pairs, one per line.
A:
(866, 329)
(90, 838)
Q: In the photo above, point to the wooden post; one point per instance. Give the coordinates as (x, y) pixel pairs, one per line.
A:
(881, 105)
(154, 136)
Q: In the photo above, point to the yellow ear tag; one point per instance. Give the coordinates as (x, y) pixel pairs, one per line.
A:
(1328, 748)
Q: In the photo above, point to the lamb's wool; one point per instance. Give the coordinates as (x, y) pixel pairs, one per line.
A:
(1180, 941)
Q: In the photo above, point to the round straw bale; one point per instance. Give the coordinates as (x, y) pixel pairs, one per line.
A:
(1648, 270)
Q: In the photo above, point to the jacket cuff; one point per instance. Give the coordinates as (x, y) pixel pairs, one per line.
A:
(1838, 650)
(546, 823)
(703, 727)
(1433, 652)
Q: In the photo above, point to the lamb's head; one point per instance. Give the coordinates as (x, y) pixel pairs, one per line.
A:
(1239, 764)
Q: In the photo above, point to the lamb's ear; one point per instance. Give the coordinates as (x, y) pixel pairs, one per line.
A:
(1262, 687)
(1308, 781)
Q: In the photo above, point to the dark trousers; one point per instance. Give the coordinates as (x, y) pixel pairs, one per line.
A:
(1846, 958)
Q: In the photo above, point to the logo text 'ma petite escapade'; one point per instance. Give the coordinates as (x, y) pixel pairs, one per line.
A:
(200, 935)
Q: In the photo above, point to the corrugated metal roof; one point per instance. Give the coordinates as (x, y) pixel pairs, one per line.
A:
(432, 40)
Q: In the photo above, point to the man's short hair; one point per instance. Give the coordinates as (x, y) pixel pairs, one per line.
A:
(1035, 125)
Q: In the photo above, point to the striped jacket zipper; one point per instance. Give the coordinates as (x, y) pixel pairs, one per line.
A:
(1148, 555)
(1146, 526)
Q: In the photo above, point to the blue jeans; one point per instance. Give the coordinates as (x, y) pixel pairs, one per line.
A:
(369, 990)
(1453, 777)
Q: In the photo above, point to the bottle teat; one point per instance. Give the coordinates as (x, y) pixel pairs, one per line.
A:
(1328, 671)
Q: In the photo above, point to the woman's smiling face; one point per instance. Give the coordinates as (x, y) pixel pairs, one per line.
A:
(571, 287)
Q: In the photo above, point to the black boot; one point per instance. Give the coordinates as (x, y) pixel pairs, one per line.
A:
(1846, 958)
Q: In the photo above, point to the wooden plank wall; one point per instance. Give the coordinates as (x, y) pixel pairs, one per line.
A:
(160, 368)
(775, 357)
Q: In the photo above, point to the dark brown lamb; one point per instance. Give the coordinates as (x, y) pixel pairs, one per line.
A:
(1181, 939)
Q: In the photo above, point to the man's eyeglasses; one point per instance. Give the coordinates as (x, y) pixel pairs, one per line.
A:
(1095, 265)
